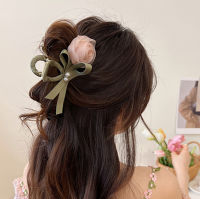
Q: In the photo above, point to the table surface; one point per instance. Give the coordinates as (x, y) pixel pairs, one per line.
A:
(192, 194)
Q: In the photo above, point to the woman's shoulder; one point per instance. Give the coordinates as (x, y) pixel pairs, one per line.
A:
(152, 183)
(165, 184)
(20, 189)
(20, 185)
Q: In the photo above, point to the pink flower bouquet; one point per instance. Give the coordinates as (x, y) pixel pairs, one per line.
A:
(165, 148)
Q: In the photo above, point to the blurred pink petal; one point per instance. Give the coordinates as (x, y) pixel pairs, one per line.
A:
(175, 144)
(179, 138)
(159, 153)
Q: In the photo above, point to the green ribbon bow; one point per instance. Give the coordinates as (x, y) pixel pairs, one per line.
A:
(67, 70)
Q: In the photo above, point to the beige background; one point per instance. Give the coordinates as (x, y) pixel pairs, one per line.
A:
(168, 29)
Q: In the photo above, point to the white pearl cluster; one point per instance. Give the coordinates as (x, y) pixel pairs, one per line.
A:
(66, 76)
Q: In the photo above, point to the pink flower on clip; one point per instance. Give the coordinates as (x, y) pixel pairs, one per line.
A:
(153, 176)
(175, 144)
(82, 49)
(159, 153)
(147, 194)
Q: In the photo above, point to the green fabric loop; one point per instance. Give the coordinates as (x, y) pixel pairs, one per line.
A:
(67, 71)
(33, 63)
(64, 55)
(49, 64)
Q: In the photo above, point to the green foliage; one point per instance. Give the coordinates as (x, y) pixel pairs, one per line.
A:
(164, 161)
(192, 160)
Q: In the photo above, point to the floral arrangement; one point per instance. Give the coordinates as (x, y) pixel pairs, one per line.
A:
(165, 148)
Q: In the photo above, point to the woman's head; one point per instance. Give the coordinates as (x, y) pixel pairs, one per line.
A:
(111, 98)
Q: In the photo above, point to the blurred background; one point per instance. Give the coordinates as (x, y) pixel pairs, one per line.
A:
(169, 30)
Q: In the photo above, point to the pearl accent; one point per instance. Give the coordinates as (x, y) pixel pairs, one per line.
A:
(65, 79)
(67, 74)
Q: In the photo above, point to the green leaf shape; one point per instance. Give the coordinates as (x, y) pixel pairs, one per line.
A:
(151, 184)
(156, 169)
(192, 160)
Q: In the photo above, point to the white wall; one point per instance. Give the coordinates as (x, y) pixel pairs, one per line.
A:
(168, 29)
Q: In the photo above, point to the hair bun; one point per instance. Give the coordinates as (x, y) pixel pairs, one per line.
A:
(58, 37)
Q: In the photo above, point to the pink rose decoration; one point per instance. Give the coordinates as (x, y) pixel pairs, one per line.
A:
(159, 153)
(82, 49)
(175, 144)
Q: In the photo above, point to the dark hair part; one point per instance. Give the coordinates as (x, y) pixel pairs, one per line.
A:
(74, 155)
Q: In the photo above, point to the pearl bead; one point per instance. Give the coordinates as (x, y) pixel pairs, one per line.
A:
(67, 74)
(65, 79)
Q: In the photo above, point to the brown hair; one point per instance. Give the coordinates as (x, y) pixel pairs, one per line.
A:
(74, 156)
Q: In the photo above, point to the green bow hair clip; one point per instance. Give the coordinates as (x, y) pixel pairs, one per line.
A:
(67, 70)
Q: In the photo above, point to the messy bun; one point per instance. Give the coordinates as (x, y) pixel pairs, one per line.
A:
(58, 37)
(75, 156)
